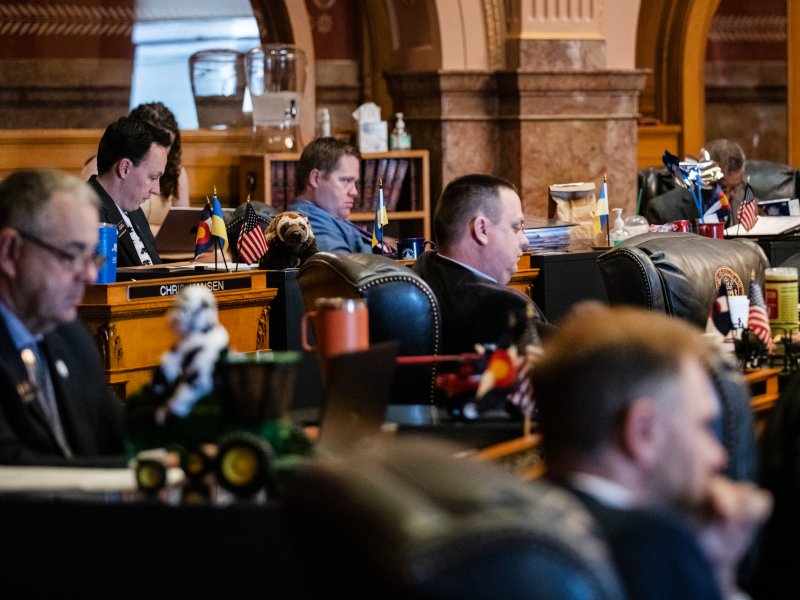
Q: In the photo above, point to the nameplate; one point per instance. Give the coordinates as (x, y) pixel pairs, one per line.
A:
(173, 289)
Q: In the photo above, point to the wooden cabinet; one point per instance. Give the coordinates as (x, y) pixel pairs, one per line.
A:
(130, 324)
(270, 178)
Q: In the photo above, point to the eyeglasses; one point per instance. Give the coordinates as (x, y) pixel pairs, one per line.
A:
(75, 262)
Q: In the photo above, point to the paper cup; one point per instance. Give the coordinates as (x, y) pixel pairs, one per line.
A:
(739, 307)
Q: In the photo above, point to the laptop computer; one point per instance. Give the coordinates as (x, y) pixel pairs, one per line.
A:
(357, 396)
(178, 232)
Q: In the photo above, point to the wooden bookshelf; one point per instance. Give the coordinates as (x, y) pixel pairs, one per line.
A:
(269, 178)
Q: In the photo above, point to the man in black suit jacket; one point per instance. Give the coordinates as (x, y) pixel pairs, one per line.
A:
(480, 236)
(131, 158)
(627, 411)
(55, 408)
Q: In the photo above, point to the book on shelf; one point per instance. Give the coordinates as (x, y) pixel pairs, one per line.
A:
(277, 173)
(380, 175)
(290, 177)
(368, 179)
(413, 200)
(397, 185)
(388, 181)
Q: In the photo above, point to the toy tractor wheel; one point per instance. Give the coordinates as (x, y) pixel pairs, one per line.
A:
(151, 475)
(244, 464)
(195, 463)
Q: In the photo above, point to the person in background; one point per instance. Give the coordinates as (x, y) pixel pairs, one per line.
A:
(174, 182)
(677, 204)
(627, 411)
(131, 158)
(55, 407)
(327, 189)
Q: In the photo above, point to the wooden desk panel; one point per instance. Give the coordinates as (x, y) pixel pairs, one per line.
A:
(133, 334)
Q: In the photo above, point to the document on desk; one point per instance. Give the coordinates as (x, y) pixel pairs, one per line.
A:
(766, 226)
(36, 479)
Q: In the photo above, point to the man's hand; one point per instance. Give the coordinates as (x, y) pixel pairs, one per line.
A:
(728, 522)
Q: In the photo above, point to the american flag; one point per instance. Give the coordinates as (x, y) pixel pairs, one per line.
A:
(251, 245)
(758, 319)
(748, 215)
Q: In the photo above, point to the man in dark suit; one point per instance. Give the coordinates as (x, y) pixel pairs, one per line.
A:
(131, 158)
(55, 408)
(678, 204)
(627, 412)
(480, 237)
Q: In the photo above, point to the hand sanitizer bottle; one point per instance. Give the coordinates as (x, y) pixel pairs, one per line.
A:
(400, 138)
(619, 232)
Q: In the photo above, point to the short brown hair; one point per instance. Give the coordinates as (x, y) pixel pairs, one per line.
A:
(597, 363)
(322, 154)
(727, 154)
(25, 197)
(462, 199)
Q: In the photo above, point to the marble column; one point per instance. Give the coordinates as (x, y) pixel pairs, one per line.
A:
(533, 128)
(553, 113)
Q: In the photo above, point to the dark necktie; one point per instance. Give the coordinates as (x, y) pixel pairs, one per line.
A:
(39, 376)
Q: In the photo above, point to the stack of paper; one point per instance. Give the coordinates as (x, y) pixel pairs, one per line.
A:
(546, 235)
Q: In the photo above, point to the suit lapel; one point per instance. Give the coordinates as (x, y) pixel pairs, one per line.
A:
(11, 363)
(109, 213)
(69, 402)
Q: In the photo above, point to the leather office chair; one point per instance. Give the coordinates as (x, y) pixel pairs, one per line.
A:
(404, 518)
(401, 307)
(676, 273)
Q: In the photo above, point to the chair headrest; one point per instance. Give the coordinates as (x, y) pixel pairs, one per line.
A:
(448, 527)
(679, 273)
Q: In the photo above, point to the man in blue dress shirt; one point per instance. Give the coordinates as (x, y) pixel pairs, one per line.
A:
(327, 189)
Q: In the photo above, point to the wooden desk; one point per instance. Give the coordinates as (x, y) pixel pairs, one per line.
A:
(129, 320)
(764, 393)
(526, 274)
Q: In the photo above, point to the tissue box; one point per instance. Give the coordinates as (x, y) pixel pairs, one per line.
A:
(373, 136)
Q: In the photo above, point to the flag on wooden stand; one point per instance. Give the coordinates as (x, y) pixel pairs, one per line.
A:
(748, 211)
(251, 245)
(203, 241)
(381, 218)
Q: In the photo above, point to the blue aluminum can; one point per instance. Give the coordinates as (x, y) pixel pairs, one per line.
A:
(107, 246)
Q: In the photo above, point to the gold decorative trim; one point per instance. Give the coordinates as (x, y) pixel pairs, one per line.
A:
(262, 331)
(110, 345)
(730, 29)
(66, 20)
(494, 15)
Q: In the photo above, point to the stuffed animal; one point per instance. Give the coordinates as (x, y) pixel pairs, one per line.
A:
(186, 372)
(290, 241)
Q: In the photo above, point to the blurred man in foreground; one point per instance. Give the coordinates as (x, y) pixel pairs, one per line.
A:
(55, 408)
(627, 412)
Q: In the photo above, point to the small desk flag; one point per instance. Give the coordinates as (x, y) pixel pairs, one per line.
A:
(381, 218)
(204, 241)
(251, 245)
(601, 210)
(218, 229)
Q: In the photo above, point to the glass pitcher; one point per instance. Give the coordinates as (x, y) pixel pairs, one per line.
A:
(276, 75)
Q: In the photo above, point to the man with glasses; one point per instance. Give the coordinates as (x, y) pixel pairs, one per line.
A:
(678, 204)
(55, 408)
(131, 159)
